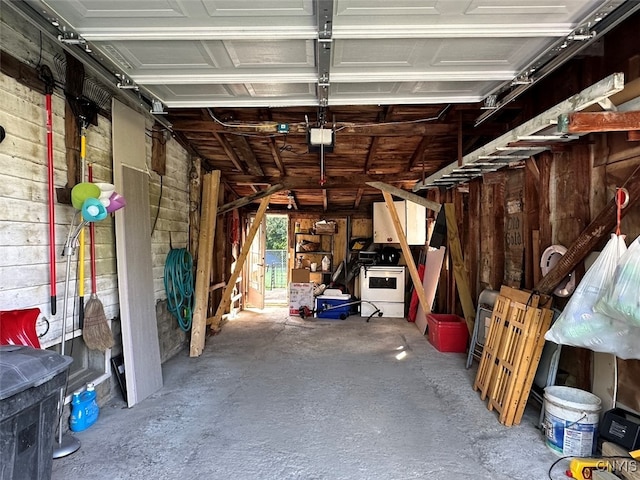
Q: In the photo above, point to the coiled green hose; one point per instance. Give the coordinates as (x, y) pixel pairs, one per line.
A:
(178, 283)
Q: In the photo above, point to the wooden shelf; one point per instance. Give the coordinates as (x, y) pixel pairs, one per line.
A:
(325, 239)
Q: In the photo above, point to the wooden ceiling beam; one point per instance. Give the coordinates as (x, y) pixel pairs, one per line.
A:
(246, 153)
(383, 116)
(229, 151)
(372, 153)
(418, 154)
(342, 129)
(358, 199)
(589, 122)
(305, 182)
(275, 153)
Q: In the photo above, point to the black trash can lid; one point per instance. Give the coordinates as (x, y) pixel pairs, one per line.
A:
(23, 367)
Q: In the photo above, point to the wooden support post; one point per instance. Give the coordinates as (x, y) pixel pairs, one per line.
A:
(461, 275)
(246, 247)
(210, 188)
(406, 251)
(195, 195)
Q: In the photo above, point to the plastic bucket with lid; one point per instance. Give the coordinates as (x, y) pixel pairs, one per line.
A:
(571, 420)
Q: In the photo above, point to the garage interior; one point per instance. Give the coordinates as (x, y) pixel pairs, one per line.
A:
(483, 150)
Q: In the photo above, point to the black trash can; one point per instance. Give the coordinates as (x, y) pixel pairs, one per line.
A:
(30, 383)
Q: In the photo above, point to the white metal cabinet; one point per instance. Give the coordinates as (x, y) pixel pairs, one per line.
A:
(413, 218)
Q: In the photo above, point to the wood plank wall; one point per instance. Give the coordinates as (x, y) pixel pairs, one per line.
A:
(24, 240)
(563, 190)
(614, 161)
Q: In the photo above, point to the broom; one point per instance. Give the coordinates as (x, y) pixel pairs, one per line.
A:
(96, 332)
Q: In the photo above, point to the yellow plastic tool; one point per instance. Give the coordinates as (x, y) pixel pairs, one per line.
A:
(582, 468)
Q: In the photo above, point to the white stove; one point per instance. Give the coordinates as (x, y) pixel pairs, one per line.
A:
(383, 286)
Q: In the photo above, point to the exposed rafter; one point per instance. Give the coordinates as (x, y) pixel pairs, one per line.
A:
(275, 153)
(229, 151)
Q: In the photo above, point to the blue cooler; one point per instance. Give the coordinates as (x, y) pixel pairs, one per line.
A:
(333, 306)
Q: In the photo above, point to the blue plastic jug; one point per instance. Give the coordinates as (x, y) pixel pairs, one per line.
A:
(84, 409)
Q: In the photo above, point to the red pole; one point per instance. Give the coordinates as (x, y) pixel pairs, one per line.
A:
(92, 243)
(52, 217)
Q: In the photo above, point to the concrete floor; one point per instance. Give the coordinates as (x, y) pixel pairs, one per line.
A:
(275, 397)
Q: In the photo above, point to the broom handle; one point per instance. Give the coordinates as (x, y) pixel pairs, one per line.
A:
(92, 243)
(52, 215)
(83, 149)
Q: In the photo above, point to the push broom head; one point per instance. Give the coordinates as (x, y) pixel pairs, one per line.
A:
(96, 332)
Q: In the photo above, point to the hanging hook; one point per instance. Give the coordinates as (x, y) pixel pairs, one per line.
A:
(622, 200)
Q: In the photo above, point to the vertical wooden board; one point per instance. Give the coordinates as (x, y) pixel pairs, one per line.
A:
(531, 222)
(571, 200)
(210, 188)
(195, 192)
(498, 231)
(159, 150)
(628, 388)
(361, 228)
(604, 378)
(544, 165)
(220, 269)
(473, 246)
(486, 237)
(514, 229)
(339, 242)
(140, 341)
(492, 231)
(535, 251)
(461, 275)
(135, 284)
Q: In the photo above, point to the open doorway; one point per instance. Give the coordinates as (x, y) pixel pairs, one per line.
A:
(275, 278)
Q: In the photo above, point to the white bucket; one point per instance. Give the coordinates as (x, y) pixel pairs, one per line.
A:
(571, 420)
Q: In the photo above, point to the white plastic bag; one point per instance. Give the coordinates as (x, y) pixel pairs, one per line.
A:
(622, 298)
(580, 326)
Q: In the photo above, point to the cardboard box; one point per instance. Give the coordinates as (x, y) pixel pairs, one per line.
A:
(299, 275)
(300, 295)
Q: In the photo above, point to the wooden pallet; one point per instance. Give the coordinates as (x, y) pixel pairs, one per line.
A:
(498, 324)
(545, 324)
(511, 353)
(501, 309)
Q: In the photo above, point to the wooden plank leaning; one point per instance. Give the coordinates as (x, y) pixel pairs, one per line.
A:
(244, 252)
(460, 272)
(406, 251)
